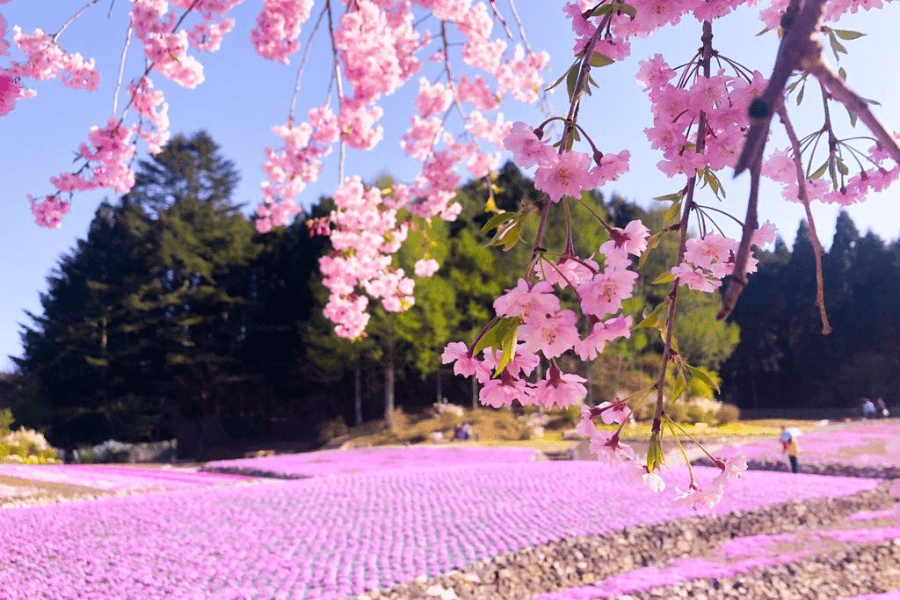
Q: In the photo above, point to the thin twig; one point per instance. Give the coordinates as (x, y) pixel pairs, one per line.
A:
(804, 198)
(336, 63)
(856, 105)
(518, 20)
(299, 80)
(71, 20)
(115, 108)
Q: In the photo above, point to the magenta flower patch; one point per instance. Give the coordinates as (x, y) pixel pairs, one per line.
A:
(370, 460)
(114, 478)
(868, 444)
(330, 537)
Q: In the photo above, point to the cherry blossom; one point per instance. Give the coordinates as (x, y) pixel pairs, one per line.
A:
(568, 174)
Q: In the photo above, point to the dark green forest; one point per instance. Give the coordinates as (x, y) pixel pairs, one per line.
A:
(173, 316)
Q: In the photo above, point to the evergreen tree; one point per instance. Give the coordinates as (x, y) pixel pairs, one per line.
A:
(198, 246)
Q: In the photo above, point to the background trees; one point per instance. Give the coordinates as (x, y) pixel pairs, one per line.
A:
(174, 318)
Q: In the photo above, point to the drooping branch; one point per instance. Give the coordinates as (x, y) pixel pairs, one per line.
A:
(800, 51)
(856, 105)
(704, 64)
(804, 198)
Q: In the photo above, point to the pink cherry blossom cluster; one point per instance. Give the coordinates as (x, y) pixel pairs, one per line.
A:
(299, 162)
(150, 104)
(542, 327)
(107, 165)
(46, 60)
(165, 48)
(708, 259)
(378, 46)
(676, 115)
(366, 235)
(566, 173)
(278, 27)
(780, 167)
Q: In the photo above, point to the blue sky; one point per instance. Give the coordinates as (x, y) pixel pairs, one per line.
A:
(244, 96)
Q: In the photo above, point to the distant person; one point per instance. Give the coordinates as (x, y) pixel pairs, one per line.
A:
(467, 431)
(868, 408)
(882, 408)
(790, 447)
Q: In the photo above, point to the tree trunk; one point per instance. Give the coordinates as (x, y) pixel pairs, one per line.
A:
(437, 377)
(357, 389)
(389, 385)
(474, 393)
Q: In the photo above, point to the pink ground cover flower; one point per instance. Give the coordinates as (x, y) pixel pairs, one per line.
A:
(370, 460)
(867, 444)
(331, 537)
(113, 478)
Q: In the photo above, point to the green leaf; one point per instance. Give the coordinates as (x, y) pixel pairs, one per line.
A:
(513, 236)
(626, 9)
(673, 213)
(680, 386)
(598, 59)
(509, 350)
(664, 277)
(714, 183)
(497, 220)
(842, 74)
(655, 455)
(670, 197)
(495, 336)
(704, 376)
(842, 168)
(652, 320)
(800, 94)
(836, 46)
(846, 34)
(652, 242)
(820, 171)
(852, 115)
(561, 77)
(571, 80)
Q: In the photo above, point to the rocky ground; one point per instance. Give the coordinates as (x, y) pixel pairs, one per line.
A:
(834, 570)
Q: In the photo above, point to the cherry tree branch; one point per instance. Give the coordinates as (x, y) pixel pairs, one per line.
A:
(800, 51)
(705, 65)
(72, 19)
(858, 106)
(121, 75)
(299, 80)
(804, 198)
(336, 63)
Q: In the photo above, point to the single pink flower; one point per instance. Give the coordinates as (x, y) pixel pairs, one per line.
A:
(567, 175)
(527, 301)
(527, 149)
(616, 411)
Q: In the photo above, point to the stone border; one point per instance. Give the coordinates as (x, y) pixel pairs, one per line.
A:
(578, 561)
(834, 469)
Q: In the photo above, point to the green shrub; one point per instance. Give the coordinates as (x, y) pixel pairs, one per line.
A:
(728, 413)
(572, 414)
(26, 446)
(332, 428)
(6, 421)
